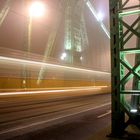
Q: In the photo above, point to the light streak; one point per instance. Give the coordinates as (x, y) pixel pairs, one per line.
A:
(37, 63)
(50, 91)
(105, 114)
(29, 33)
(92, 9)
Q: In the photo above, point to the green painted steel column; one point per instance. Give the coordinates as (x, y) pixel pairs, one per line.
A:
(122, 70)
(117, 113)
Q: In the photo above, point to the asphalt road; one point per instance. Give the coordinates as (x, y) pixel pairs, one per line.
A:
(71, 115)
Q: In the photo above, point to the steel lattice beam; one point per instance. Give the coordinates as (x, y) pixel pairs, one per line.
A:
(121, 33)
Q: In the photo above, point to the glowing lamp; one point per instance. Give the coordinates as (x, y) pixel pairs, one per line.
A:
(100, 16)
(37, 9)
(63, 56)
(133, 110)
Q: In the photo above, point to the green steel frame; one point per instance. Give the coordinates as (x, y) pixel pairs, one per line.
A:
(121, 33)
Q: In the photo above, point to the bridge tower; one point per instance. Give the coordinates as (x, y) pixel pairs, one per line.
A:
(75, 34)
(75, 44)
(124, 22)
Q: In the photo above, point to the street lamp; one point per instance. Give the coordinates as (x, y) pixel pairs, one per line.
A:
(37, 9)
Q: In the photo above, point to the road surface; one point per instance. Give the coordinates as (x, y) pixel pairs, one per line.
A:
(54, 115)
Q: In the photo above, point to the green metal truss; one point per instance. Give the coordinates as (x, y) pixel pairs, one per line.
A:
(121, 33)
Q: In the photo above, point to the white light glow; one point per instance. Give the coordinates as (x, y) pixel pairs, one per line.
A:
(100, 16)
(81, 58)
(63, 56)
(133, 110)
(37, 9)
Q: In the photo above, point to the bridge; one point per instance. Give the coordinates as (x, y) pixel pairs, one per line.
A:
(61, 59)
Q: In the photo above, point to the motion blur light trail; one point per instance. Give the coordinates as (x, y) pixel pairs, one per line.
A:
(37, 63)
(53, 91)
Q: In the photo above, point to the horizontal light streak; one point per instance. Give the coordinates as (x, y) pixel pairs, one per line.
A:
(37, 63)
(51, 91)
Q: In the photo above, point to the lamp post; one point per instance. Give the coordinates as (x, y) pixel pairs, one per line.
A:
(36, 10)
